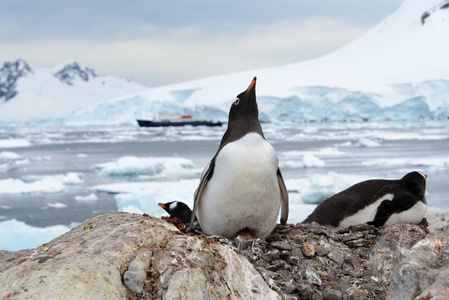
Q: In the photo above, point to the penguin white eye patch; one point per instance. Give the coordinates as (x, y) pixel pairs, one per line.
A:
(237, 101)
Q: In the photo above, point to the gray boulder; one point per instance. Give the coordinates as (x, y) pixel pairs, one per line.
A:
(129, 256)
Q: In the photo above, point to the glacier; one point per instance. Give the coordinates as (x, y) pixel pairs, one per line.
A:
(305, 104)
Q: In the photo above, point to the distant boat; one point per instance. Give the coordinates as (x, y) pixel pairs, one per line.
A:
(186, 120)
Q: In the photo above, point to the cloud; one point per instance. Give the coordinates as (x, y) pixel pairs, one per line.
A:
(185, 53)
(161, 42)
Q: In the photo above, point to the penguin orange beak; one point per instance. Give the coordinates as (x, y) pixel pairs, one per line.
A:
(425, 176)
(252, 85)
(161, 205)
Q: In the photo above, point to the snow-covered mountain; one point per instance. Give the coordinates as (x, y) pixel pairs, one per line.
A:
(9, 74)
(31, 94)
(397, 71)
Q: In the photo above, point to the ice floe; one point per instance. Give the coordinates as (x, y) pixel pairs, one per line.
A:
(39, 184)
(163, 167)
(17, 235)
(88, 198)
(56, 205)
(14, 143)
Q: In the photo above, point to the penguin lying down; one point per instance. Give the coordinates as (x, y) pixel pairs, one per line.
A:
(376, 202)
(177, 209)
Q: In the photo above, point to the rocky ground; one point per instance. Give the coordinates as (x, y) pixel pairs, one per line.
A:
(314, 262)
(129, 256)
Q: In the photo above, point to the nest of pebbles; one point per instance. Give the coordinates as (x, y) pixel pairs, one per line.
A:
(309, 261)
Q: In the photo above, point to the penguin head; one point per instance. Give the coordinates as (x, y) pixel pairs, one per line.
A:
(415, 183)
(245, 105)
(173, 206)
(177, 209)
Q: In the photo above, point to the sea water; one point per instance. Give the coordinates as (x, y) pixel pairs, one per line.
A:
(52, 179)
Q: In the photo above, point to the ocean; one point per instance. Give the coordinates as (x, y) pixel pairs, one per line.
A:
(52, 179)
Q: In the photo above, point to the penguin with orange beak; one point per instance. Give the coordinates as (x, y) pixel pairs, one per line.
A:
(177, 209)
(241, 190)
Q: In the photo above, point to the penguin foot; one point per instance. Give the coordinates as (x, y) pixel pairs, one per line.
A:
(247, 234)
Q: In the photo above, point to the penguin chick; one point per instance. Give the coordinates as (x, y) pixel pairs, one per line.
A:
(377, 202)
(177, 209)
(241, 189)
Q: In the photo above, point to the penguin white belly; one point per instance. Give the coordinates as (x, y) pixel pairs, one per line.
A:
(366, 214)
(413, 215)
(243, 192)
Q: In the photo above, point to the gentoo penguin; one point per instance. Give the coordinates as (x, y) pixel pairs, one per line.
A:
(177, 209)
(241, 189)
(377, 202)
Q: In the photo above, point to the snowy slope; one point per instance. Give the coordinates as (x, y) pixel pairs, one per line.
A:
(39, 93)
(397, 71)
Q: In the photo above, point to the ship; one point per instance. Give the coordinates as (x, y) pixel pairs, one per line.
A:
(185, 120)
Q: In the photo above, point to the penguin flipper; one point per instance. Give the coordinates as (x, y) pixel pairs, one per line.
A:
(284, 198)
(401, 202)
(205, 177)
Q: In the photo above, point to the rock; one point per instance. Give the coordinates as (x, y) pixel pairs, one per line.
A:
(391, 248)
(312, 276)
(10, 73)
(137, 271)
(331, 294)
(72, 71)
(308, 249)
(129, 256)
(283, 245)
(424, 272)
(94, 259)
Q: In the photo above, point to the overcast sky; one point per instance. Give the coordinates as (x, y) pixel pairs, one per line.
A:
(158, 42)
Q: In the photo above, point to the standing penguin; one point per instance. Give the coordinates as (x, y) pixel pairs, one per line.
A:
(241, 189)
(377, 202)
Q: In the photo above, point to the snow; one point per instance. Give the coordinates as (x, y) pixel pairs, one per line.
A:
(311, 161)
(304, 193)
(17, 235)
(435, 163)
(14, 143)
(57, 205)
(89, 198)
(131, 166)
(7, 155)
(11, 160)
(316, 188)
(17, 186)
(145, 196)
(41, 95)
(396, 71)
(39, 184)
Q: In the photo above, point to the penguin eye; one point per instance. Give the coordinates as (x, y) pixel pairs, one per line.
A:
(237, 101)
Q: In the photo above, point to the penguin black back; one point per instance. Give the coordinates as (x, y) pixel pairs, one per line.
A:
(395, 196)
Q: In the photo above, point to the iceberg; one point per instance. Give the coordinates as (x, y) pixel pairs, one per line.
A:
(17, 235)
(131, 166)
(40, 184)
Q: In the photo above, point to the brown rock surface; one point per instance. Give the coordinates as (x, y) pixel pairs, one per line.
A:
(127, 256)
